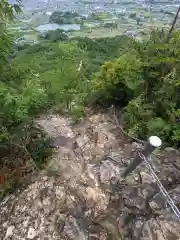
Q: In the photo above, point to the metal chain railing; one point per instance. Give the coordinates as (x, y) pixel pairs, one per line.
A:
(159, 184)
(153, 143)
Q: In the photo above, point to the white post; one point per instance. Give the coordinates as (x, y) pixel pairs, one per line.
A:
(153, 143)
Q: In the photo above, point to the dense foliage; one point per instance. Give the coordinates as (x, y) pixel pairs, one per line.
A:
(101, 50)
(56, 35)
(63, 75)
(55, 67)
(100, 16)
(20, 95)
(110, 25)
(65, 17)
(145, 82)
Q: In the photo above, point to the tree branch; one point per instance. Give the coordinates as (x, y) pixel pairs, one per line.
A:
(173, 23)
(123, 131)
(26, 151)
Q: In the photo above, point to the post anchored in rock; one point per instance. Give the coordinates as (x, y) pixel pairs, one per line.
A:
(153, 143)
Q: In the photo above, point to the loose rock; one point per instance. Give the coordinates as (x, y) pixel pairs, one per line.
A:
(31, 233)
(9, 232)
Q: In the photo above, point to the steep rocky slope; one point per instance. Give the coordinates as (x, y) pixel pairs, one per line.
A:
(81, 194)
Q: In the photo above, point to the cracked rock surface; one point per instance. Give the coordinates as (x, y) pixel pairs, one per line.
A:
(85, 196)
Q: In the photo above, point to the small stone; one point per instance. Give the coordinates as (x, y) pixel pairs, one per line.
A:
(25, 223)
(31, 233)
(136, 177)
(92, 194)
(145, 193)
(154, 205)
(169, 149)
(166, 160)
(9, 232)
(93, 173)
(5, 224)
(146, 178)
(45, 178)
(108, 171)
(170, 179)
(60, 193)
(131, 180)
(136, 145)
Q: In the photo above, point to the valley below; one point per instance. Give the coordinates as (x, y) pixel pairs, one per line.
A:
(132, 17)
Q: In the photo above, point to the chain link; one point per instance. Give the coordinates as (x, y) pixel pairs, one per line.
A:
(162, 189)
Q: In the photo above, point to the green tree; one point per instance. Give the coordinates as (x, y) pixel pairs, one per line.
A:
(57, 35)
(102, 50)
(110, 25)
(21, 94)
(65, 17)
(132, 15)
(145, 82)
(7, 12)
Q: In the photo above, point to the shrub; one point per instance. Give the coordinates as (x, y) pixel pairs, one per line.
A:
(57, 35)
(120, 80)
(145, 81)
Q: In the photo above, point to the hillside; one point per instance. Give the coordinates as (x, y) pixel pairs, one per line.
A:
(133, 18)
(73, 113)
(80, 194)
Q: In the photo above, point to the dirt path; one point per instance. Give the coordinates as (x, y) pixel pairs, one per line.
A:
(81, 194)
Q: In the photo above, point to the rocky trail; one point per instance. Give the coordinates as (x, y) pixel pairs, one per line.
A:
(80, 195)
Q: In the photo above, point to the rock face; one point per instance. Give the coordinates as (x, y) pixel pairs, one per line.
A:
(85, 197)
